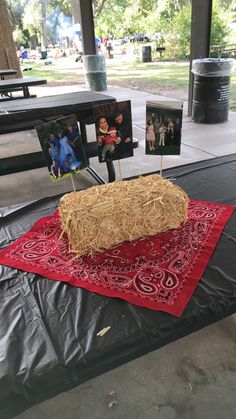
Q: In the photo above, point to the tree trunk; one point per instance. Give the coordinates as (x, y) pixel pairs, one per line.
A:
(8, 54)
(55, 26)
(33, 42)
(75, 11)
(44, 25)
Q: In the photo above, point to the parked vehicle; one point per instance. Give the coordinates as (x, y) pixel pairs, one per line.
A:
(140, 37)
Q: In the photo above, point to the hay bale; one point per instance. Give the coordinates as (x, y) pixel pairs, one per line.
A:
(106, 215)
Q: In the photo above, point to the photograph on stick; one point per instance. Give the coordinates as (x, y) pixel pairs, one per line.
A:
(113, 124)
(163, 127)
(62, 147)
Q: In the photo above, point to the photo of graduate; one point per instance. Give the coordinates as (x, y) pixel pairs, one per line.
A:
(163, 127)
(62, 147)
(113, 124)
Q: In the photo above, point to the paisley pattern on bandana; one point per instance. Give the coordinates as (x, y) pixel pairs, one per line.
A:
(159, 272)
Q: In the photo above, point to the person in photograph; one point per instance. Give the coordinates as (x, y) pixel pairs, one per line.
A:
(170, 127)
(105, 142)
(54, 138)
(72, 135)
(65, 148)
(53, 151)
(177, 131)
(124, 131)
(150, 135)
(102, 126)
(169, 131)
(55, 169)
(162, 133)
(109, 142)
(156, 125)
(113, 134)
(74, 165)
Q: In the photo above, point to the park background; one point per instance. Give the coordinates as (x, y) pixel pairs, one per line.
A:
(53, 26)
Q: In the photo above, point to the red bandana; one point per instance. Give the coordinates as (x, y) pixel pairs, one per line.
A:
(159, 272)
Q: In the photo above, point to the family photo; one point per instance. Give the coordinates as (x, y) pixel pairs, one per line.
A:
(62, 147)
(113, 123)
(163, 127)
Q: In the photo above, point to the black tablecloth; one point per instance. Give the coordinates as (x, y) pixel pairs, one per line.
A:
(48, 333)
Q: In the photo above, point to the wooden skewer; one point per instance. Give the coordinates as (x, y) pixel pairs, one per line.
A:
(119, 165)
(73, 182)
(161, 165)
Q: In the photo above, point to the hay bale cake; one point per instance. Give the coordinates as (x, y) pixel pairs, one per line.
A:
(106, 215)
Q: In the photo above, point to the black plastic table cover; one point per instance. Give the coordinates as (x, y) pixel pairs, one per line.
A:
(48, 329)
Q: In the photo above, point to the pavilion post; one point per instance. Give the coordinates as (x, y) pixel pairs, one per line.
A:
(87, 27)
(200, 38)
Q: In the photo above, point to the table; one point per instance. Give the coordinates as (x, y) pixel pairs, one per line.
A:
(229, 50)
(27, 113)
(53, 352)
(23, 84)
(7, 72)
(23, 114)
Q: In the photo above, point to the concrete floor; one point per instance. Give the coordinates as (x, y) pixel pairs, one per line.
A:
(194, 377)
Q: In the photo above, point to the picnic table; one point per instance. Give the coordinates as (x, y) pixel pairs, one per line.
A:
(25, 114)
(229, 50)
(7, 72)
(7, 87)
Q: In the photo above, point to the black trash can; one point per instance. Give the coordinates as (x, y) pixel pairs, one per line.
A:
(211, 89)
(44, 55)
(95, 72)
(146, 54)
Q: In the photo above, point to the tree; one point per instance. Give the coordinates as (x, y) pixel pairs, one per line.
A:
(98, 6)
(32, 19)
(178, 34)
(44, 41)
(75, 11)
(219, 24)
(8, 54)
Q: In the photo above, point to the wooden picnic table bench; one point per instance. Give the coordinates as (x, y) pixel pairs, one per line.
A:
(7, 87)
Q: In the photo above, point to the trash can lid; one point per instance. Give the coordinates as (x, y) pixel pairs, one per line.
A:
(213, 67)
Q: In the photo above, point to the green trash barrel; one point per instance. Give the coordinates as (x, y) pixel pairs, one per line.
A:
(211, 89)
(95, 72)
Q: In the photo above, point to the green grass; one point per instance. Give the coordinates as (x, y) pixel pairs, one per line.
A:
(50, 72)
(160, 73)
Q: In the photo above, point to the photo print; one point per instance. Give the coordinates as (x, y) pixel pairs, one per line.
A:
(163, 127)
(113, 124)
(62, 147)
